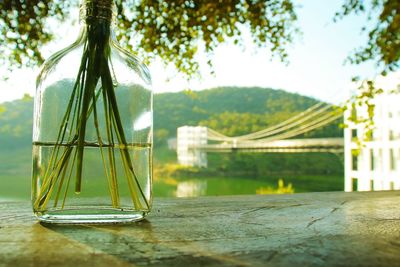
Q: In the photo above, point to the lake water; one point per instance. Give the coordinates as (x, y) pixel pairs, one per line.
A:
(19, 187)
(211, 186)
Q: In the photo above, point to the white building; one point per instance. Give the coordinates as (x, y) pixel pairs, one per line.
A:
(377, 166)
(188, 137)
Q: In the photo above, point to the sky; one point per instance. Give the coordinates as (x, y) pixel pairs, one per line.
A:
(316, 61)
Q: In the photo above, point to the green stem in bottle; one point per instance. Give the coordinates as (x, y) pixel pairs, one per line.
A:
(134, 185)
(96, 39)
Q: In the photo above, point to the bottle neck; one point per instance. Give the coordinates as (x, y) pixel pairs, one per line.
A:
(94, 11)
(97, 18)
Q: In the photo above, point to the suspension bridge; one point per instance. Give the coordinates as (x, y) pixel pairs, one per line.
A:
(194, 142)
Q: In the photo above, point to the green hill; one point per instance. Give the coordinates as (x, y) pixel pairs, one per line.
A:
(259, 107)
(230, 110)
(16, 124)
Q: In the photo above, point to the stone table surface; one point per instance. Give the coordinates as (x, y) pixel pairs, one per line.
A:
(311, 229)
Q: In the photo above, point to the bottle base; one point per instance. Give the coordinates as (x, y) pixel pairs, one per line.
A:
(90, 216)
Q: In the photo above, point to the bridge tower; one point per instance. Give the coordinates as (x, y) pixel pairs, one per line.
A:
(188, 138)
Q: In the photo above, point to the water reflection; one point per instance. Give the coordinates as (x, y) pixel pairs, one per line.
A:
(191, 189)
(18, 188)
(217, 186)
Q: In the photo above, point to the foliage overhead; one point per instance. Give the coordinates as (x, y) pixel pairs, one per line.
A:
(383, 45)
(367, 91)
(172, 30)
(24, 30)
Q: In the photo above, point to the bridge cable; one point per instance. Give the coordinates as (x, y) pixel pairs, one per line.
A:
(273, 130)
(294, 118)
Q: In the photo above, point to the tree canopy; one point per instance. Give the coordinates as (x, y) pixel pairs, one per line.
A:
(174, 29)
(170, 29)
(383, 45)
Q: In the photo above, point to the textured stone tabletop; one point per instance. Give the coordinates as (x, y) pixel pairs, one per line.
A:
(312, 229)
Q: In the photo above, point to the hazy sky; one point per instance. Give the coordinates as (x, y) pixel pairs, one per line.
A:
(316, 61)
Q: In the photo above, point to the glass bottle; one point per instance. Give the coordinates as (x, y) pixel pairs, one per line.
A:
(92, 132)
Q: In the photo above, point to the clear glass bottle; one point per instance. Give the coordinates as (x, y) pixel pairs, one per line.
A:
(92, 133)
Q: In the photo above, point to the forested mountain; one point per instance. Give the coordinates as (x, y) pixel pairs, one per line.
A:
(230, 110)
(16, 123)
